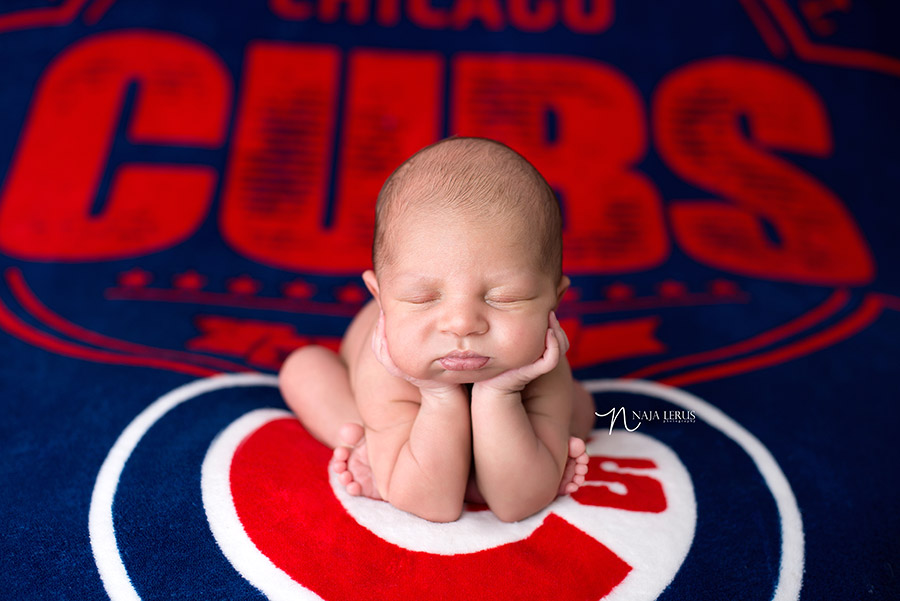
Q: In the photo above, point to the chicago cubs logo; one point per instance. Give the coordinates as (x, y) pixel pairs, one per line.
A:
(267, 171)
(290, 530)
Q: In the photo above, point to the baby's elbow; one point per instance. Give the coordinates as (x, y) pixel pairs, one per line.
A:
(442, 515)
(433, 510)
(514, 514)
(516, 510)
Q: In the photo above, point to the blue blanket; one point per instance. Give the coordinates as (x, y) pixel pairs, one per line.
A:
(186, 196)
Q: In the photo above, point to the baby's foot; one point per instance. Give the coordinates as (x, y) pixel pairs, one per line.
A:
(350, 461)
(576, 467)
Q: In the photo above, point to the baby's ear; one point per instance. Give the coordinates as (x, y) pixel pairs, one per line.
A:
(564, 283)
(371, 281)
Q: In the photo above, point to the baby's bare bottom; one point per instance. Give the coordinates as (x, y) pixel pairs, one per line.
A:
(315, 384)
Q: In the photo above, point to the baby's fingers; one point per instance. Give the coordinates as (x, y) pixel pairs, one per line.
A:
(550, 358)
(559, 333)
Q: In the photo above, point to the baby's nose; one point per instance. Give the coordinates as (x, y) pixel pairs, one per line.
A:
(462, 318)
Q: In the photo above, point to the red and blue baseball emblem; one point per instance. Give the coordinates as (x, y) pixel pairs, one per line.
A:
(266, 500)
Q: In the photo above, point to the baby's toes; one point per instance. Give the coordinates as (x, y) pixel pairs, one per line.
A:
(577, 448)
(338, 463)
(350, 434)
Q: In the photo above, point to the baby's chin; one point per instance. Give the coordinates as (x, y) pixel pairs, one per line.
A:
(436, 373)
(467, 377)
(470, 376)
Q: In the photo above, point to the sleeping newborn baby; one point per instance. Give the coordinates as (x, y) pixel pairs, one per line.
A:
(452, 384)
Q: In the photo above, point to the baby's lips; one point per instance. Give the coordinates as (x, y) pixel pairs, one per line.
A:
(463, 361)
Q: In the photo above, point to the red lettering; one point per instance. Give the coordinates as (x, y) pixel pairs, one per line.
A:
(540, 18)
(642, 493)
(580, 16)
(275, 204)
(465, 12)
(587, 16)
(357, 11)
(594, 344)
(297, 10)
(274, 201)
(393, 108)
(423, 14)
(812, 238)
(387, 12)
(260, 343)
(581, 123)
(182, 98)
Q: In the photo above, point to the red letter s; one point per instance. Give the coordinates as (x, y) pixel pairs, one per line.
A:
(813, 238)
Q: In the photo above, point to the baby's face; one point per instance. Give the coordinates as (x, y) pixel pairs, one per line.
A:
(464, 302)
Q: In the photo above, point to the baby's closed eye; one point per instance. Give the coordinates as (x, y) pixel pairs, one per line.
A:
(422, 298)
(507, 299)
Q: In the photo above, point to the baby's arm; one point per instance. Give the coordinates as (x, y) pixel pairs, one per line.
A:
(419, 450)
(520, 432)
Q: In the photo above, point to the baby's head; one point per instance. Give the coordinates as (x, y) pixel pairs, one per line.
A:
(475, 180)
(468, 259)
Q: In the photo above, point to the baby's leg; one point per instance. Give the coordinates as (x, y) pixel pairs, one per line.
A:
(580, 426)
(316, 386)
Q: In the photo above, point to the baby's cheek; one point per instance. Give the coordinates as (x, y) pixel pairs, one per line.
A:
(526, 344)
(406, 356)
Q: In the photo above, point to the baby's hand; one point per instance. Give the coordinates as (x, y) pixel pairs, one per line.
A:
(380, 348)
(556, 344)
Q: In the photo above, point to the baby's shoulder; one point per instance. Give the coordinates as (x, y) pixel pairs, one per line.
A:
(372, 384)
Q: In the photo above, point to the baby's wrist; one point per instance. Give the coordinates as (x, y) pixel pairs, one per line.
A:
(444, 394)
(489, 392)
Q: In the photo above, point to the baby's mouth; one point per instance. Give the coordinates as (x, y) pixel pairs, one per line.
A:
(463, 361)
